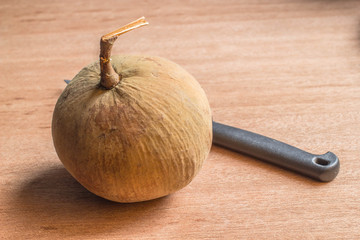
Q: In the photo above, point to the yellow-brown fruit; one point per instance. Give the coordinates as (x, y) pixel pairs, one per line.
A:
(139, 139)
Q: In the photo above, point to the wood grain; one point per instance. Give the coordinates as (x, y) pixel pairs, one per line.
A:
(288, 69)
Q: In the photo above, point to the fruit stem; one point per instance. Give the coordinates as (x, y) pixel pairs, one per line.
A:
(109, 78)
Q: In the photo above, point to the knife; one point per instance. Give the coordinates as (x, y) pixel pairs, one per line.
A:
(323, 167)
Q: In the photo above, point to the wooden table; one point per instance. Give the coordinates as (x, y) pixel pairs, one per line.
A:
(285, 69)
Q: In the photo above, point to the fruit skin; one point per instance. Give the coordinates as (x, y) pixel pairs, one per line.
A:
(143, 139)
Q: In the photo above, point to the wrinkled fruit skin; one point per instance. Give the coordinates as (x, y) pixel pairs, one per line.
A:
(144, 139)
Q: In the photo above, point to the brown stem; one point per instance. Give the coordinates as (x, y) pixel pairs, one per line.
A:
(109, 78)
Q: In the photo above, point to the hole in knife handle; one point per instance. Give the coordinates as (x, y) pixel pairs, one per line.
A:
(321, 161)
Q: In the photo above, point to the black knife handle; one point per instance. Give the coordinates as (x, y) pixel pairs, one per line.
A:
(320, 167)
